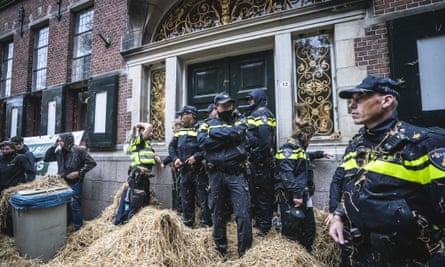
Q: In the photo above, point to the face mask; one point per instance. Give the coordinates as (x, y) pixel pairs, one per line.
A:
(225, 115)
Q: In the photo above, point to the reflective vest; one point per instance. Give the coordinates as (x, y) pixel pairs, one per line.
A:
(293, 154)
(141, 155)
(261, 120)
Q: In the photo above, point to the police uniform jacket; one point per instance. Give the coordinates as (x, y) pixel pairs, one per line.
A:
(394, 178)
(261, 132)
(224, 142)
(185, 144)
(294, 172)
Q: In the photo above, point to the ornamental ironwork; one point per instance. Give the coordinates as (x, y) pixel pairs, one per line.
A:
(192, 15)
(314, 82)
(157, 103)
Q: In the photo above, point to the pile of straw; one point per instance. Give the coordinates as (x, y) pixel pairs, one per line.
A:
(156, 237)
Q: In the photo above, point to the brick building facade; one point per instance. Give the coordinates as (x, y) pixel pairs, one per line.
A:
(112, 63)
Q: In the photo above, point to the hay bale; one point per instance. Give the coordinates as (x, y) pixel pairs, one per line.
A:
(151, 237)
(274, 250)
(9, 255)
(155, 237)
(324, 248)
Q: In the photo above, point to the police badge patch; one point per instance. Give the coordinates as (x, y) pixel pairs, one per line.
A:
(264, 119)
(437, 157)
(287, 153)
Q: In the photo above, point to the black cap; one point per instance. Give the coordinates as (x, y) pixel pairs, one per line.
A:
(374, 84)
(222, 98)
(187, 109)
(210, 108)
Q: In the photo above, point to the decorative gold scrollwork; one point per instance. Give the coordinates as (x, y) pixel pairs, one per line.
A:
(157, 103)
(195, 15)
(314, 83)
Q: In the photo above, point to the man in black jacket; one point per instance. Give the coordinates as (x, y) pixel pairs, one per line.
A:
(224, 141)
(261, 143)
(187, 157)
(387, 196)
(14, 167)
(21, 148)
(73, 162)
(14, 170)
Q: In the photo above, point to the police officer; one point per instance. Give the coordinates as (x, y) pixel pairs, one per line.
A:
(224, 141)
(261, 141)
(294, 186)
(187, 156)
(177, 203)
(391, 183)
(140, 170)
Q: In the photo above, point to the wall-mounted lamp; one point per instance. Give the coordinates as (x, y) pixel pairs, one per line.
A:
(106, 39)
(59, 4)
(21, 19)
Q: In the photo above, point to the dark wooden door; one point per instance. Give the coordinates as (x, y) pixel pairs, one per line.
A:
(403, 36)
(235, 75)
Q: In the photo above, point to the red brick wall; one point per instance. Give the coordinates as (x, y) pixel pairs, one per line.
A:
(382, 7)
(109, 19)
(123, 117)
(372, 50)
(37, 14)
(59, 50)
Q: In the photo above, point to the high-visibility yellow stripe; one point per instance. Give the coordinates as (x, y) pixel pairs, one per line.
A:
(221, 126)
(144, 155)
(421, 176)
(190, 132)
(258, 121)
(296, 154)
(419, 170)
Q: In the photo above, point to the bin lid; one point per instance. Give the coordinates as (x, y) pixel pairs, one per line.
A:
(35, 191)
(41, 198)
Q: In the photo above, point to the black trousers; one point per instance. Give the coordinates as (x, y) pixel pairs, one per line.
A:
(193, 187)
(232, 188)
(262, 193)
(139, 191)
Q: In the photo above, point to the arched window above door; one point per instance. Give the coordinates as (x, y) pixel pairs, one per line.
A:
(191, 15)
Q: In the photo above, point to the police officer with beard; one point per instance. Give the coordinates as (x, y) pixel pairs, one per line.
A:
(224, 141)
(261, 142)
(187, 156)
(389, 191)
